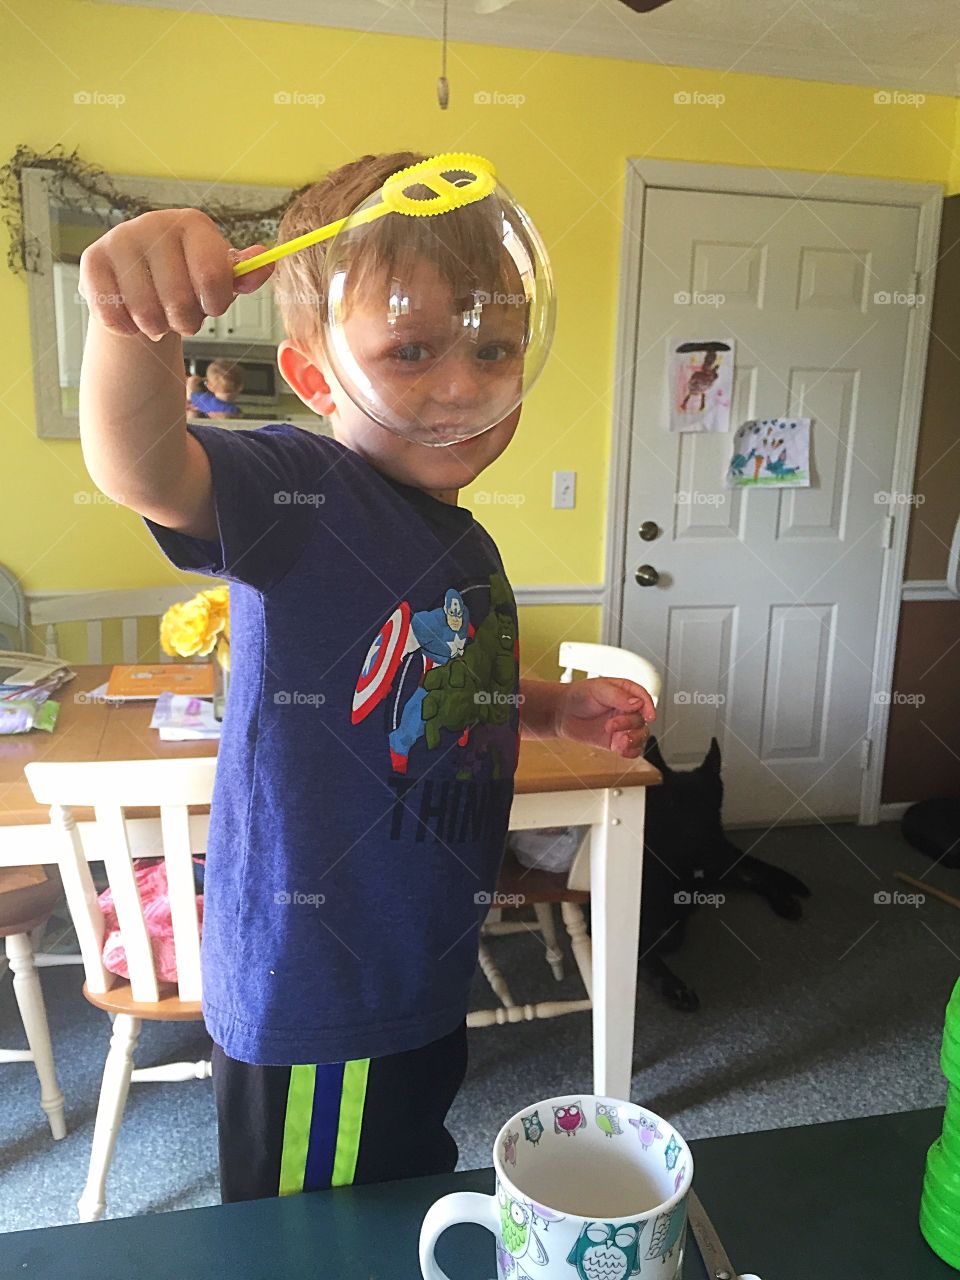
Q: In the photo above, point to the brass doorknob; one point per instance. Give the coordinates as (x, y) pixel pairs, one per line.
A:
(647, 576)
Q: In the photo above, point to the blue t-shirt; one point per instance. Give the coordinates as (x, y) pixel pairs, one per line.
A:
(207, 402)
(365, 773)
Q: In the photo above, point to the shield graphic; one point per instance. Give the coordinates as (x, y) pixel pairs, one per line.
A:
(381, 663)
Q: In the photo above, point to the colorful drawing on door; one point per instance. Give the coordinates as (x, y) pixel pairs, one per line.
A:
(700, 376)
(771, 453)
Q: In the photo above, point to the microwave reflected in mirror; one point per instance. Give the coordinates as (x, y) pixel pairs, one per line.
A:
(241, 383)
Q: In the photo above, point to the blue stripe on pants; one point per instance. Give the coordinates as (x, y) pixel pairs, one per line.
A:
(324, 1125)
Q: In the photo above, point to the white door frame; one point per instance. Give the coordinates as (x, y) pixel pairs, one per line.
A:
(927, 198)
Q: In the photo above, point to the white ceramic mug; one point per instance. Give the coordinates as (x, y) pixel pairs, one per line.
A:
(587, 1187)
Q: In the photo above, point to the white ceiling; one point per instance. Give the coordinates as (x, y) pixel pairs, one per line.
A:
(900, 44)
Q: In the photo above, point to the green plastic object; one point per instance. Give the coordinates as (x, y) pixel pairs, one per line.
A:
(940, 1201)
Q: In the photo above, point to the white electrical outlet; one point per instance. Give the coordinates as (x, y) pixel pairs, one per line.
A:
(564, 489)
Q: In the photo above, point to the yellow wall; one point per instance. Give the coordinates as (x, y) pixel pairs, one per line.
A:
(199, 103)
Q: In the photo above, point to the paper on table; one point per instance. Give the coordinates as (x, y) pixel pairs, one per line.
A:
(180, 718)
(99, 694)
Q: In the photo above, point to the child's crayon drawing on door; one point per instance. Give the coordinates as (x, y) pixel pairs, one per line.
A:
(771, 452)
(701, 385)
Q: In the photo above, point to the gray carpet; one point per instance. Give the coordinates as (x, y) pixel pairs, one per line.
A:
(837, 1015)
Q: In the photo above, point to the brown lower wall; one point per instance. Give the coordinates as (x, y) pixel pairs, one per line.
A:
(923, 746)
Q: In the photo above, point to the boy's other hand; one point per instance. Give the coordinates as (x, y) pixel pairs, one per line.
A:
(164, 272)
(605, 712)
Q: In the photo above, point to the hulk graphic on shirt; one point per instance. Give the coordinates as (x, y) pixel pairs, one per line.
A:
(478, 686)
(470, 675)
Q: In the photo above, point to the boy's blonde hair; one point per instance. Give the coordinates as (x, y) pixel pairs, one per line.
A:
(466, 249)
(228, 374)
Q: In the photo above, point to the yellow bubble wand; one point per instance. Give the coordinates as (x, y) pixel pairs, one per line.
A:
(455, 179)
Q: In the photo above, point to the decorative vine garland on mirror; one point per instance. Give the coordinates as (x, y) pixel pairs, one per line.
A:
(78, 184)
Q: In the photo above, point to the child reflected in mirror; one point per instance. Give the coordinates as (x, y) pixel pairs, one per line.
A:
(214, 395)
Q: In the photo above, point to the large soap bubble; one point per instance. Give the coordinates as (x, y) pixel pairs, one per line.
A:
(438, 319)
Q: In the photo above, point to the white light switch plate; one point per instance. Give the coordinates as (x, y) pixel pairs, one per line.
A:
(564, 489)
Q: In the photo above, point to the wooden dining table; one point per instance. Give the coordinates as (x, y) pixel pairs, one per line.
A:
(558, 783)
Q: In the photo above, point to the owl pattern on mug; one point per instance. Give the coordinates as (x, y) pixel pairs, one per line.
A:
(569, 1118)
(532, 1127)
(517, 1238)
(605, 1251)
(647, 1130)
(510, 1148)
(608, 1119)
(667, 1230)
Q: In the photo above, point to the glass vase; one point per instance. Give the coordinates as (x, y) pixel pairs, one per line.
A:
(221, 687)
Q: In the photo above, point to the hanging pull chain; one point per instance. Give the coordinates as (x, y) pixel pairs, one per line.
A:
(443, 89)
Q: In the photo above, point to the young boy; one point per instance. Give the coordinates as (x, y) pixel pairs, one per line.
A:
(224, 382)
(361, 802)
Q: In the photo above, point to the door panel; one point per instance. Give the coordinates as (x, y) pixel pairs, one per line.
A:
(765, 614)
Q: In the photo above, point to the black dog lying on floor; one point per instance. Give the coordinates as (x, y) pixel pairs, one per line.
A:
(685, 853)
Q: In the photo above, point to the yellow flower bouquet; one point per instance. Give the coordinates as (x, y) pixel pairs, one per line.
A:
(198, 627)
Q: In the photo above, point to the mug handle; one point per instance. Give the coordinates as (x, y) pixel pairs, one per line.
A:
(461, 1206)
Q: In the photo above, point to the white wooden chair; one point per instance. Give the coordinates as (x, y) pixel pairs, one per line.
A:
(45, 614)
(96, 607)
(542, 889)
(13, 613)
(110, 788)
(27, 896)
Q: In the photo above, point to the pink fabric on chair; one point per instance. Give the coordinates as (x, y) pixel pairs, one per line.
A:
(151, 878)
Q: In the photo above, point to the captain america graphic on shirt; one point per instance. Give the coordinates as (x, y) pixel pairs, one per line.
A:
(437, 672)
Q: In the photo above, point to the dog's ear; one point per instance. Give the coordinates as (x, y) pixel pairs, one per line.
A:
(651, 752)
(711, 761)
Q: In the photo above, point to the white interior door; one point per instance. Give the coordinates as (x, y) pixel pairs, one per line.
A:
(765, 614)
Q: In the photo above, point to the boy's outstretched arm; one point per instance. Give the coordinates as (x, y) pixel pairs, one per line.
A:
(603, 712)
(538, 708)
(147, 283)
(133, 430)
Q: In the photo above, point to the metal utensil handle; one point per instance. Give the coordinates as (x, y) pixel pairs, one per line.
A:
(719, 1266)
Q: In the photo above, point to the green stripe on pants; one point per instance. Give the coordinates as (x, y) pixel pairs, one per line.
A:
(296, 1129)
(352, 1098)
